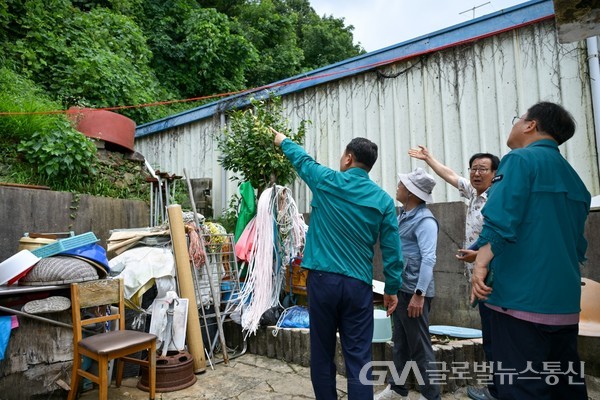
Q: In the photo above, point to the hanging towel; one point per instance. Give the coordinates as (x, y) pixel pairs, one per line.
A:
(247, 209)
(243, 247)
(7, 323)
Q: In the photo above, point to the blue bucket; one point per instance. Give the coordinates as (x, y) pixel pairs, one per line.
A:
(228, 291)
(382, 327)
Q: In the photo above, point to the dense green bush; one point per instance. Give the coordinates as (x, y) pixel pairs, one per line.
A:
(46, 142)
(247, 145)
(59, 152)
(111, 53)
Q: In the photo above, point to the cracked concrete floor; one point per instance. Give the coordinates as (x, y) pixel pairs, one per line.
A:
(252, 377)
(249, 377)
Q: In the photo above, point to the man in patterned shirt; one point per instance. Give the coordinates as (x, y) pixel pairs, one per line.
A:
(482, 169)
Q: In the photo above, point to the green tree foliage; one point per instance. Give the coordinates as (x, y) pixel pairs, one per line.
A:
(96, 58)
(270, 27)
(323, 40)
(327, 41)
(247, 147)
(107, 53)
(196, 50)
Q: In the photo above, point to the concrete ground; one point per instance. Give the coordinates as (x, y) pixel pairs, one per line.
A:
(249, 377)
(252, 377)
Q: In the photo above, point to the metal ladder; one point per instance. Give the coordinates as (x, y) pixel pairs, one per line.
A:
(222, 269)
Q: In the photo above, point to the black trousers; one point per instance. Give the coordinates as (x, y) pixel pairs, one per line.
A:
(535, 361)
(412, 343)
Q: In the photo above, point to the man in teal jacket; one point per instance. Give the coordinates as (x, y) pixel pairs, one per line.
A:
(532, 242)
(349, 213)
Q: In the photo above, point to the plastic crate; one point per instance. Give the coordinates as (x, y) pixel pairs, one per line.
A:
(65, 244)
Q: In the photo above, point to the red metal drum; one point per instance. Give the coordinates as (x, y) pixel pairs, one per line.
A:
(104, 125)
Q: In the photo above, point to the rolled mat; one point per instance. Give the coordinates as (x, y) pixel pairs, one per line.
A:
(186, 286)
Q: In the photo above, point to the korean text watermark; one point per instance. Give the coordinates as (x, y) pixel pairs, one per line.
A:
(482, 372)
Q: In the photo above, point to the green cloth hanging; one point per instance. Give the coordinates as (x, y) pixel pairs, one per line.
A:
(247, 208)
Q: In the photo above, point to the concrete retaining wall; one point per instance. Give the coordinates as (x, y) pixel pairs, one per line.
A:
(34, 210)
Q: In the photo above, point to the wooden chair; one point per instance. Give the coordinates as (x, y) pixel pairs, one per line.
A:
(106, 346)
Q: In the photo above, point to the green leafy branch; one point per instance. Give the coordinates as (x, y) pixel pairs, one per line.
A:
(247, 147)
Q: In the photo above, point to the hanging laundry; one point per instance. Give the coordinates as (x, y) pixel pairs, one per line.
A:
(247, 209)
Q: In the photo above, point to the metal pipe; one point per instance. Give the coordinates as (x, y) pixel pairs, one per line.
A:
(153, 174)
(151, 205)
(223, 175)
(37, 317)
(161, 203)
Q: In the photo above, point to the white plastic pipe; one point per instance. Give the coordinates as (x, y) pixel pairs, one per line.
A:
(223, 177)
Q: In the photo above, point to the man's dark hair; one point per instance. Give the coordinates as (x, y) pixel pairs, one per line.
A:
(553, 119)
(495, 160)
(364, 152)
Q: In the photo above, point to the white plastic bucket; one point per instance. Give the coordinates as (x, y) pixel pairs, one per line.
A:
(382, 327)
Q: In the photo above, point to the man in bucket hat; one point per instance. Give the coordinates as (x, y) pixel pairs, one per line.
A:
(482, 169)
(418, 230)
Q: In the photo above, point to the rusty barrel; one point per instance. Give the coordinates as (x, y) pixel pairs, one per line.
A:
(175, 371)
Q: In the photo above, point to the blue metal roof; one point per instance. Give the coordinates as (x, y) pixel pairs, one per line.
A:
(487, 25)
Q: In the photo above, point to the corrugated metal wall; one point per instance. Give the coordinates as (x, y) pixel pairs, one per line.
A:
(456, 102)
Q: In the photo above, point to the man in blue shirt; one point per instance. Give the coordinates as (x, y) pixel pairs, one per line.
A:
(349, 214)
(532, 242)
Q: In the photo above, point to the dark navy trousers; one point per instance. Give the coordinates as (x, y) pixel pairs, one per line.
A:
(486, 330)
(412, 343)
(535, 361)
(339, 303)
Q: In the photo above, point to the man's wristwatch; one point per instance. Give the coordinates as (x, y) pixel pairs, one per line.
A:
(419, 292)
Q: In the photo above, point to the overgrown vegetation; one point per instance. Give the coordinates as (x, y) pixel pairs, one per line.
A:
(110, 53)
(43, 149)
(247, 146)
(106, 53)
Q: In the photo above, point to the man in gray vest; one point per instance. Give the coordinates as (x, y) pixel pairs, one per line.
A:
(418, 230)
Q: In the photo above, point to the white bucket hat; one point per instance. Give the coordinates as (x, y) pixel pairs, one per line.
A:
(419, 183)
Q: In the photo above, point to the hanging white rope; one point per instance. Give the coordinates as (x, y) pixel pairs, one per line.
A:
(279, 235)
(292, 229)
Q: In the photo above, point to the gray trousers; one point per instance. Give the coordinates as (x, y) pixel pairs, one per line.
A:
(412, 342)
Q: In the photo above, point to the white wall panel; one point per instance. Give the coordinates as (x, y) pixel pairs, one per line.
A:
(457, 102)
